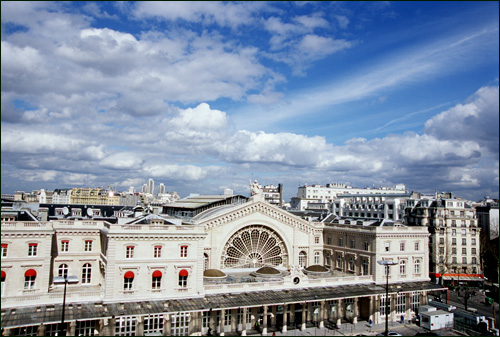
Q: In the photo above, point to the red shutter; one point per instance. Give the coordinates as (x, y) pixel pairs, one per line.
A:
(157, 273)
(129, 274)
(30, 272)
(183, 272)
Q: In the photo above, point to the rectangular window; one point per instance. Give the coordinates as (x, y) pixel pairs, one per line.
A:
(387, 246)
(32, 248)
(453, 259)
(401, 246)
(454, 242)
(366, 246)
(29, 282)
(184, 251)
(4, 249)
(340, 242)
(153, 324)
(464, 242)
(156, 283)
(441, 241)
(417, 267)
(129, 253)
(473, 242)
(441, 250)
(464, 260)
(328, 241)
(453, 232)
(128, 283)
(473, 251)
(464, 232)
(316, 239)
(353, 245)
(126, 326)
(64, 245)
(85, 328)
(454, 251)
(417, 246)
(464, 251)
(88, 245)
(157, 252)
(183, 281)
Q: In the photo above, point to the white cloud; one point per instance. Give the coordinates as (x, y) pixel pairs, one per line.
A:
(182, 172)
(122, 161)
(200, 118)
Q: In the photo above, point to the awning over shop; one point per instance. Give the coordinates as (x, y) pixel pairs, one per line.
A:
(463, 277)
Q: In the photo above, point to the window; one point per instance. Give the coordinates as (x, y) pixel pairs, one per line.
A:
(328, 241)
(183, 276)
(464, 260)
(464, 232)
(351, 264)
(302, 259)
(88, 245)
(441, 250)
(453, 223)
(473, 251)
(184, 251)
(474, 260)
(126, 326)
(29, 279)
(85, 328)
(453, 259)
(402, 267)
(86, 273)
(417, 246)
(401, 246)
(3, 282)
(316, 239)
(156, 284)
(441, 241)
(387, 246)
(4, 249)
(157, 252)
(62, 270)
(64, 245)
(415, 301)
(464, 251)
(153, 324)
(129, 253)
(400, 304)
(383, 305)
(32, 247)
(339, 261)
(353, 244)
(340, 242)
(205, 261)
(365, 267)
(417, 267)
(316, 258)
(473, 242)
(464, 242)
(366, 246)
(454, 241)
(454, 251)
(128, 280)
(453, 232)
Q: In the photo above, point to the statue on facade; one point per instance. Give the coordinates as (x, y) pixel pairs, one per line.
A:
(256, 190)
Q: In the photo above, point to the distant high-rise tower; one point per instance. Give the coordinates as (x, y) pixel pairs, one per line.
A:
(131, 189)
(161, 188)
(151, 186)
(145, 188)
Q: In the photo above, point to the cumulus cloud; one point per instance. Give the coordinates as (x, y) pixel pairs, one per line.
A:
(122, 161)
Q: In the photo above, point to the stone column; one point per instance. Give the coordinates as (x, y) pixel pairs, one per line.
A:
(244, 322)
(212, 324)
(377, 309)
(292, 314)
(355, 311)
(408, 306)
(221, 322)
(274, 310)
(167, 325)
(71, 328)
(139, 330)
(284, 329)
(234, 319)
(39, 332)
(264, 321)
(339, 312)
(309, 312)
(393, 307)
(111, 327)
(322, 315)
(371, 311)
(304, 317)
(423, 298)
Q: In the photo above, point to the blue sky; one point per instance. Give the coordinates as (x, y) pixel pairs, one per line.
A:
(204, 96)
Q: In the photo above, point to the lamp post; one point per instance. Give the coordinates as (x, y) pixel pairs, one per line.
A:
(64, 280)
(386, 263)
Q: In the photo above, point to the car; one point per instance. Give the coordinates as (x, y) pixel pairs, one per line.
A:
(390, 333)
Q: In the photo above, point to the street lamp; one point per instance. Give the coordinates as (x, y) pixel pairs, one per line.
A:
(64, 280)
(386, 263)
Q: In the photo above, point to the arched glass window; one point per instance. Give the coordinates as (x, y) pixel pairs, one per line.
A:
(302, 259)
(86, 273)
(63, 270)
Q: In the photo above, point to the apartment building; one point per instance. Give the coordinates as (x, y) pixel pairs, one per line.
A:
(371, 206)
(454, 244)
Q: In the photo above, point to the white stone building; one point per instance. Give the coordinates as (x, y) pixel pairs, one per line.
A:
(228, 269)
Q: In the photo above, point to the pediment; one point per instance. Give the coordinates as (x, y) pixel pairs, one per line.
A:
(221, 216)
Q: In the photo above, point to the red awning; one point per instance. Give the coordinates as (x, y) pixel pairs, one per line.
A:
(30, 272)
(129, 274)
(3, 274)
(32, 244)
(157, 273)
(64, 240)
(4, 245)
(183, 272)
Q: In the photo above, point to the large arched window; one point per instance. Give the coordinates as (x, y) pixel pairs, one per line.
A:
(303, 259)
(62, 270)
(253, 247)
(86, 273)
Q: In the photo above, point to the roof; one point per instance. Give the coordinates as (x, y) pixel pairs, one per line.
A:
(193, 202)
(34, 315)
(214, 273)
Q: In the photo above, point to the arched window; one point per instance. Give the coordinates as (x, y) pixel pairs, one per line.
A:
(86, 273)
(128, 280)
(302, 259)
(205, 261)
(156, 285)
(63, 270)
(402, 267)
(29, 279)
(183, 276)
